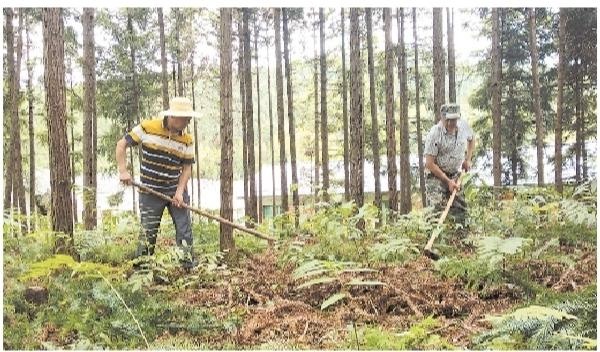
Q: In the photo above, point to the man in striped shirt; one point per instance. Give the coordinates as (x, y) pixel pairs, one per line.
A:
(167, 156)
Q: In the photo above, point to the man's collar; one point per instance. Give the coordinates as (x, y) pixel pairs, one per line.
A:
(166, 127)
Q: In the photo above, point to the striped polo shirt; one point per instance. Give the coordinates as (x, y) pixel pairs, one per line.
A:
(163, 154)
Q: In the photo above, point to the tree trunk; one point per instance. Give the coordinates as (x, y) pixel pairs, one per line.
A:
(60, 170)
(135, 96)
(226, 242)
(390, 125)
(174, 75)
(9, 111)
(163, 61)
(496, 99)
(248, 106)
(241, 77)
(405, 187)
(356, 113)
(32, 210)
(178, 24)
(439, 75)
(512, 117)
(581, 124)
(271, 138)
(196, 151)
(260, 182)
(345, 112)
(578, 124)
(72, 151)
(16, 167)
(290, 113)
(317, 118)
(280, 117)
(539, 127)
(562, 21)
(18, 176)
(418, 111)
(324, 129)
(89, 122)
(374, 123)
(584, 163)
(451, 56)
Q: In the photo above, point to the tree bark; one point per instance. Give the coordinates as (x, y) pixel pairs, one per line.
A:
(271, 137)
(418, 111)
(135, 118)
(163, 61)
(8, 110)
(178, 24)
(390, 125)
(578, 123)
(345, 112)
(451, 56)
(60, 170)
(317, 117)
(196, 151)
(174, 75)
(16, 166)
(249, 111)
(373, 104)
(260, 179)
(32, 209)
(581, 118)
(562, 21)
(72, 150)
(324, 130)
(496, 99)
(291, 123)
(280, 117)
(356, 114)
(226, 242)
(89, 122)
(512, 122)
(405, 184)
(18, 177)
(539, 123)
(241, 77)
(439, 75)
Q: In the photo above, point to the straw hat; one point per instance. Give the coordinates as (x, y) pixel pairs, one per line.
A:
(180, 106)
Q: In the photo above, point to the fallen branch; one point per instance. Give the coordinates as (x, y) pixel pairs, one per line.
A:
(409, 302)
(412, 305)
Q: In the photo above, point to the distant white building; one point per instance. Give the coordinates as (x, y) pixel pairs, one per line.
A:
(210, 194)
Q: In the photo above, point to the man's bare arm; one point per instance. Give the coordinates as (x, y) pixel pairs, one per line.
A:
(121, 155)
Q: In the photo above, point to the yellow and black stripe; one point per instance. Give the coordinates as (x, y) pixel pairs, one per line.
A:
(163, 154)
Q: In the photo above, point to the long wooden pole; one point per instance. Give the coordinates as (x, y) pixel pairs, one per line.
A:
(205, 214)
(444, 214)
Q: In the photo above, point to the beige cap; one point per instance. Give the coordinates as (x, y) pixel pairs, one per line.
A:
(450, 111)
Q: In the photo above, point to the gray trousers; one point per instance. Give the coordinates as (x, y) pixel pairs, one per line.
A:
(151, 211)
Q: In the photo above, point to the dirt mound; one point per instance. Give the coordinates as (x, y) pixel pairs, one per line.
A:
(560, 276)
(275, 310)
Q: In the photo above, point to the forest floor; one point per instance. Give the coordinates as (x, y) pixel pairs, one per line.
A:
(274, 310)
(322, 286)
